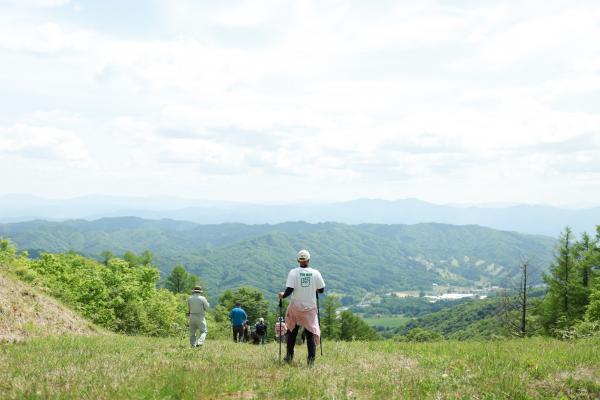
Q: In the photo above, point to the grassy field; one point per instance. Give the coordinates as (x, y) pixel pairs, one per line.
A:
(387, 322)
(111, 366)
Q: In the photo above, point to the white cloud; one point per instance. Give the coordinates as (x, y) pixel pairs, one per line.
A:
(341, 97)
(42, 142)
(40, 3)
(46, 39)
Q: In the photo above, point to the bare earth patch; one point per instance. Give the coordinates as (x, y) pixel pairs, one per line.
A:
(26, 312)
(239, 396)
(581, 374)
(573, 384)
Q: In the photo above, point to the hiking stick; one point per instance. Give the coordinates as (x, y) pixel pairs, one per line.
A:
(319, 320)
(280, 327)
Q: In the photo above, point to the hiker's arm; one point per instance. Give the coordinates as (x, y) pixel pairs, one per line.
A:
(288, 291)
(320, 283)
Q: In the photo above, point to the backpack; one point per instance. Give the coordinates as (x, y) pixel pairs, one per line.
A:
(260, 328)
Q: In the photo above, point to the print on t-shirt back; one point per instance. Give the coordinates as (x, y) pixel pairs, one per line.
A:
(305, 279)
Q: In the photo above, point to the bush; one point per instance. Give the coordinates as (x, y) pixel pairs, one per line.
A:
(581, 329)
(120, 296)
(422, 335)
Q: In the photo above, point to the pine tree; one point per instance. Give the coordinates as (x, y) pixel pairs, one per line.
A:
(564, 302)
(352, 327)
(592, 266)
(180, 281)
(516, 304)
(329, 319)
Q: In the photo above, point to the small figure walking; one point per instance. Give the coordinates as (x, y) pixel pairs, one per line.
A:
(238, 317)
(280, 329)
(261, 330)
(197, 307)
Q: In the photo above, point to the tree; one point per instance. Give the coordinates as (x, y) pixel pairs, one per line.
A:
(251, 299)
(7, 251)
(353, 327)
(146, 258)
(180, 280)
(516, 304)
(565, 302)
(330, 323)
(592, 313)
(423, 335)
(593, 264)
(106, 256)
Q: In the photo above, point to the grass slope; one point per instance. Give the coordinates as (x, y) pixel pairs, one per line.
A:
(26, 312)
(123, 367)
(387, 322)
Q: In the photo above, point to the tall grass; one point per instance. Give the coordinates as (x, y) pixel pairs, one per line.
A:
(114, 366)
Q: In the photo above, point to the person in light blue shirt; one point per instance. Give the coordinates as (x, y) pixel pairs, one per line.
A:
(238, 316)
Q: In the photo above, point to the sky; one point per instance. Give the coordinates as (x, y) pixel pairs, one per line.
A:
(302, 101)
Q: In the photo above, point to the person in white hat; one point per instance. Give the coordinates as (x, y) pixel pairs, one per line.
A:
(197, 308)
(303, 283)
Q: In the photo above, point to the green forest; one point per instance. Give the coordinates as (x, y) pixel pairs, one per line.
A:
(354, 258)
(127, 293)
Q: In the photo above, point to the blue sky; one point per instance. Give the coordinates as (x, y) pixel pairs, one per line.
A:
(270, 101)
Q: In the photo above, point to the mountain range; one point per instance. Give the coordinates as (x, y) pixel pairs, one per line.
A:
(534, 219)
(354, 258)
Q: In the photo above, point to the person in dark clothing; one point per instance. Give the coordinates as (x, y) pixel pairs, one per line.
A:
(261, 330)
(246, 331)
(238, 316)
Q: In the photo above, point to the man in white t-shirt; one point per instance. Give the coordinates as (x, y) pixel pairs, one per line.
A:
(303, 283)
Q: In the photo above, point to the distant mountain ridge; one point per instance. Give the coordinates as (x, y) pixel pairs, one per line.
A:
(354, 258)
(535, 219)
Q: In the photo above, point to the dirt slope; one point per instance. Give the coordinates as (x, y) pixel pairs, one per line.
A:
(26, 312)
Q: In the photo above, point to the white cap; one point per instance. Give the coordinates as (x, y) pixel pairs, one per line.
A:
(261, 320)
(303, 255)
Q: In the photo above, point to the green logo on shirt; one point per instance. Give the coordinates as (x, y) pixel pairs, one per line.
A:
(305, 279)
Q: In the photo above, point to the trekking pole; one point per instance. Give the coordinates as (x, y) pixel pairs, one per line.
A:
(319, 321)
(280, 327)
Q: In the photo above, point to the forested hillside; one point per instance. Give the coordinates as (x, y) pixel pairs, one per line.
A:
(354, 258)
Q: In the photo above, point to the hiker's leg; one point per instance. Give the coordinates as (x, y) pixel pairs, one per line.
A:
(234, 334)
(203, 331)
(193, 329)
(311, 346)
(291, 341)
